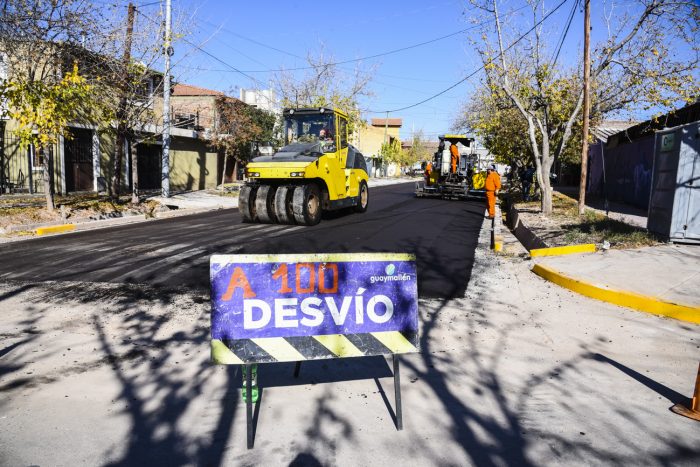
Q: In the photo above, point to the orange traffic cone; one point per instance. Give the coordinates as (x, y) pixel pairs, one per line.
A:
(694, 410)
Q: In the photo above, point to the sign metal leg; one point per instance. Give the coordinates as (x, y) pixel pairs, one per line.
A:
(249, 404)
(397, 393)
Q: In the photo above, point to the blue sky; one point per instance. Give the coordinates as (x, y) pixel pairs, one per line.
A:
(229, 31)
(347, 30)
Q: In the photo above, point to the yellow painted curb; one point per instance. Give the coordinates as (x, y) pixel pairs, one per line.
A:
(563, 250)
(498, 243)
(632, 300)
(55, 229)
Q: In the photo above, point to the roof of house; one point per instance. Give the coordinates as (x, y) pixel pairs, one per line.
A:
(189, 90)
(688, 114)
(393, 122)
(608, 128)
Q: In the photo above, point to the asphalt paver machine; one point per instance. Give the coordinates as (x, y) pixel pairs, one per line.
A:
(442, 181)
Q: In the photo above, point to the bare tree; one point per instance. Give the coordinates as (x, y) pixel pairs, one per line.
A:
(327, 84)
(131, 88)
(637, 67)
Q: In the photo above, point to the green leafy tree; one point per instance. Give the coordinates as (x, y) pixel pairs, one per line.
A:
(37, 43)
(238, 126)
(499, 125)
(391, 152)
(43, 110)
(418, 151)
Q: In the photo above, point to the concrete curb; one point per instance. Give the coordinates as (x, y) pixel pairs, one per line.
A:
(79, 222)
(496, 227)
(635, 301)
(185, 212)
(534, 244)
(82, 225)
(55, 229)
(563, 250)
(524, 235)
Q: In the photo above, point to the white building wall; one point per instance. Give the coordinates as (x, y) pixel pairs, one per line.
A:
(264, 99)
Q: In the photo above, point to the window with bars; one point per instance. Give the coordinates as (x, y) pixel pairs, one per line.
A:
(185, 120)
(36, 157)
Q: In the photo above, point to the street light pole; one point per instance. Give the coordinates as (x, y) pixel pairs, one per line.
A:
(168, 49)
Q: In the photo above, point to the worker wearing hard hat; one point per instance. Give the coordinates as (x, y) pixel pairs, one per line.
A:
(492, 185)
(454, 152)
(428, 172)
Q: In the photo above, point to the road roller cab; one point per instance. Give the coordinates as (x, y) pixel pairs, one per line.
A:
(316, 170)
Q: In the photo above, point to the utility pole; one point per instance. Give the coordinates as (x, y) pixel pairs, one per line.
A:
(121, 111)
(168, 49)
(586, 103)
(386, 144)
(126, 78)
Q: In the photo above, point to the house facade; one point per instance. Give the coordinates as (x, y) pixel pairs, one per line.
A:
(621, 162)
(83, 160)
(369, 140)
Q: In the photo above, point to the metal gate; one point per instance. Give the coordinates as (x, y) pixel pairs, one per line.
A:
(674, 206)
(149, 166)
(690, 184)
(78, 157)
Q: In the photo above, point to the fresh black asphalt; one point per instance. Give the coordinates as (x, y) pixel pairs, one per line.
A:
(174, 253)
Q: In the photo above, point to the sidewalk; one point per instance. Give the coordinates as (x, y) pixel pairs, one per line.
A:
(626, 213)
(668, 272)
(204, 199)
(659, 279)
(666, 277)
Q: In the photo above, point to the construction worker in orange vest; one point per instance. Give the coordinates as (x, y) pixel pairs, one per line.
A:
(492, 185)
(455, 157)
(428, 172)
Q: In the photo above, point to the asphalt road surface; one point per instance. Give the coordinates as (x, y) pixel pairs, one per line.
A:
(174, 253)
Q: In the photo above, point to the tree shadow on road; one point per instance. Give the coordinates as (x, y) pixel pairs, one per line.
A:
(144, 333)
(152, 340)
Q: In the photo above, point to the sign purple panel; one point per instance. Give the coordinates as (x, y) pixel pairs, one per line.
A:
(276, 301)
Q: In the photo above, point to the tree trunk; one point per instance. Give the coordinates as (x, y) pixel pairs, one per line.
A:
(135, 199)
(546, 194)
(48, 179)
(545, 185)
(223, 172)
(118, 156)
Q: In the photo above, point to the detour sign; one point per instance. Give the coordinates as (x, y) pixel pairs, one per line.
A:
(276, 308)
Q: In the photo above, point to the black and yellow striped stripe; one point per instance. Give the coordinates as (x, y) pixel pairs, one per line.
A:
(295, 349)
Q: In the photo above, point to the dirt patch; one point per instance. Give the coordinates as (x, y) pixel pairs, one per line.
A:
(23, 210)
(566, 227)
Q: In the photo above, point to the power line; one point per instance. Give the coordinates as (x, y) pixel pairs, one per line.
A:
(563, 37)
(478, 69)
(368, 57)
(255, 80)
(206, 53)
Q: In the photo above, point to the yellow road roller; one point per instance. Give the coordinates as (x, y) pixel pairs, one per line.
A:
(316, 170)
